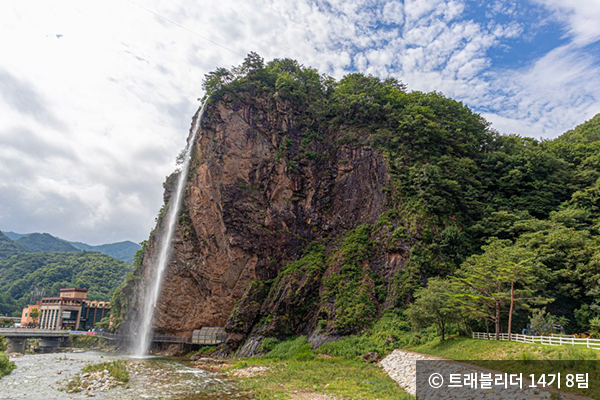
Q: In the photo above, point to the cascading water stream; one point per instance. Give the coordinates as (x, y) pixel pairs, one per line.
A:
(143, 337)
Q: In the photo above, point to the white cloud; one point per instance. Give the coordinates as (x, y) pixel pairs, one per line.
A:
(581, 18)
(96, 98)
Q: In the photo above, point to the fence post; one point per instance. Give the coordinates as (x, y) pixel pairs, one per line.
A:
(588, 342)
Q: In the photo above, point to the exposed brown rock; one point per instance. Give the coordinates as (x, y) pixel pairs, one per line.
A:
(248, 210)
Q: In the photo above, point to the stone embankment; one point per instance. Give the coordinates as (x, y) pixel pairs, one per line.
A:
(401, 366)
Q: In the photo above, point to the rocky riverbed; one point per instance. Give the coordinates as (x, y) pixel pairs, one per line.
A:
(45, 377)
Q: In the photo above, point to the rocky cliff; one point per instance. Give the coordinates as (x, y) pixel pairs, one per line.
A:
(249, 212)
(311, 206)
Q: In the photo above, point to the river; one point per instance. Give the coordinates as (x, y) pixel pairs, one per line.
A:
(40, 377)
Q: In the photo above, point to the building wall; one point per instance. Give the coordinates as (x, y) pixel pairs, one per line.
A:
(74, 293)
(87, 313)
(52, 309)
(26, 319)
(93, 312)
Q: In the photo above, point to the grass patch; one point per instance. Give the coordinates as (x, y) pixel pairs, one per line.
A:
(294, 366)
(116, 369)
(73, 386)
(204, 350)
(345, 379)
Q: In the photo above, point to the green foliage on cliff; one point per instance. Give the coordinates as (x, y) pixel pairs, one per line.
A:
(455, 185)
(351, 287)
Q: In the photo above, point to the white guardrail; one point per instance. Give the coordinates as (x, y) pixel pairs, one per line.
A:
(558, 340)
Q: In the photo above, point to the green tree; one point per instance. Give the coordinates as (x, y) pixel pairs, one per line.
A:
(434, 305)
(518, 270)
(34, 314)
(544, 323)
(501, 275)
(595, 327)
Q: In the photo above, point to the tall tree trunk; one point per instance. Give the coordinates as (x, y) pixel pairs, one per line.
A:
(497, 321)
(443, 331)
(510, 313)
(498, 312)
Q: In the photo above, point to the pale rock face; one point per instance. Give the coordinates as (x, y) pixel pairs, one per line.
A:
(247, 211)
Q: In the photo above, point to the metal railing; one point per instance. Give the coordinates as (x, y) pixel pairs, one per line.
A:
(558, 340)
(28, 332)
(127, 338)
(208, 337)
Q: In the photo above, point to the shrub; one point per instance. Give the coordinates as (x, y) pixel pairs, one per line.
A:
(268, 344)
(6, 366)
(292, 349)
(390, 332)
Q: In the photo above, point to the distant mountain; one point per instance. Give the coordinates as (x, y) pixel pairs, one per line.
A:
(124, 251)
(8, 247)
(38, 242)
(14, 235)
(44, 242)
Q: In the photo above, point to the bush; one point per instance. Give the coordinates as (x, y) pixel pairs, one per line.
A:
(86, 341)
(292, 349)
(390, 332)
(6, 366)
(268, 344)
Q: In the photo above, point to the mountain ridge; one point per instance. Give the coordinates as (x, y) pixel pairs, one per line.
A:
(123, 251)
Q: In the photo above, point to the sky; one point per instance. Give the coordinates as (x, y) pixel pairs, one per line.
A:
(96, 98)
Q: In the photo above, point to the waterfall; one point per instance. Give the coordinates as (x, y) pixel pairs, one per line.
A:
(143, 337)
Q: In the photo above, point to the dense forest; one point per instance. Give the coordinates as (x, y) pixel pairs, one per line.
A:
(504, 221)
(27, 276)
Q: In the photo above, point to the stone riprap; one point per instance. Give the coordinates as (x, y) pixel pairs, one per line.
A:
(401, 366)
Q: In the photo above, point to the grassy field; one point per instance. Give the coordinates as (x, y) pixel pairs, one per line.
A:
(521, 358)
(479, 349)
(342, 379)
(293, 367)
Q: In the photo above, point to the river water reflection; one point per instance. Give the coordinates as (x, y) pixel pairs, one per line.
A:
(40, 377)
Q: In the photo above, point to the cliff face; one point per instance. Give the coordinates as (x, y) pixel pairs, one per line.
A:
(249, 211)
(312, 206)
